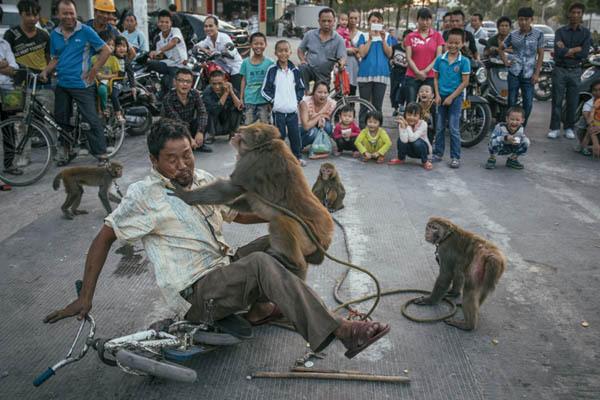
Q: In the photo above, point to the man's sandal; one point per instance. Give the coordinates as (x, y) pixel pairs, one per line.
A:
(358, 340)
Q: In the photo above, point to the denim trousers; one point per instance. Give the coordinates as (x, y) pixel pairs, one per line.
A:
(86, 103)
(287, 123)
(448, 116)
(257, 112)
(416, 149)
(565, 83)
(526, 86)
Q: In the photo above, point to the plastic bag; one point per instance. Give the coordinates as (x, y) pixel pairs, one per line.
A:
(322, 146)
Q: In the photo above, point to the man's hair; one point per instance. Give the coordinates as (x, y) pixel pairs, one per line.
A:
(348, 108)
(166, 129)
(282, 41)
(216, 73)
(405, 33)
(130, 14)
(67, 2)
(457, 32)
(29, 6)
(594, 84)
(165, 14)
(375, 14)
(374, 114)
(412, 108)
(525, 12)
(459, 12)
(516, 109)
(578, 6)
(215, 19)
(424, 13)
(317, 84)
(1, 13)
(184, 71)
(258, 35)
(325, 11)
(106, 36)
(502, 19)
(173, 7)
(478, 16)
(448, 14)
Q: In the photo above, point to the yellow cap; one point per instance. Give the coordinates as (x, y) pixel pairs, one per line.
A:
(105, 5)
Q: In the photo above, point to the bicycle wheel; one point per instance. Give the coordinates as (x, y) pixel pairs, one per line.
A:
(161, 369)
(115, 134)
(25, 151)
(354, 101)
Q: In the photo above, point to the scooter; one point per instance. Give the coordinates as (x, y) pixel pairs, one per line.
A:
(495, 89)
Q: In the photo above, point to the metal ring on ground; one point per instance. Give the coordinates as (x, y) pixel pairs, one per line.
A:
(453, 309)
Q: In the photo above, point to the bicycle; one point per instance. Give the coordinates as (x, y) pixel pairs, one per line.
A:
(31, 136)
(152, 352)
(340, 95)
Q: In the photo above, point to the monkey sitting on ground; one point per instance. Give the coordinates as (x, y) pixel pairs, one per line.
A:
(329, 189)
(75, 177)
(469, 262)
(266, 167)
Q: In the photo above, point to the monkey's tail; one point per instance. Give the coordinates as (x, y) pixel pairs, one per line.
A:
(56, 182)
(493, 272)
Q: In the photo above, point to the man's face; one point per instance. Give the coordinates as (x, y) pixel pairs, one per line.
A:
(164, 24)
(67, 14)
(457, 21)
(130, 23)
(217, 83)
(326, 21)
(504, 28)
(29, 19)
(525, 23)
(183, 83)
(102, 17)
(446, 23)
(475, 22)
(176, 161)
(575, 16)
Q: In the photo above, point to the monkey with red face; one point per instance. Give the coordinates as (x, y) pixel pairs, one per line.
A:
(329, 188)
(468, 262)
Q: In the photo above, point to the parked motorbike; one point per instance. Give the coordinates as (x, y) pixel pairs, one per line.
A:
(542, 90)
(476, 115)
(589, 76)
(495, 88)
(203, 64)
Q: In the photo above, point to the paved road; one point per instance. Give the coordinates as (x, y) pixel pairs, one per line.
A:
(529, 344)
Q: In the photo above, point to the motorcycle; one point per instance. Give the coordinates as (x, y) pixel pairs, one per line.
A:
(495, 88)
(543, 88)
(589, 76)
(203, 64)
(476, 115)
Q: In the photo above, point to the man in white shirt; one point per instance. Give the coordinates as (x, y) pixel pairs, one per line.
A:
(477, 30)
(170, 53)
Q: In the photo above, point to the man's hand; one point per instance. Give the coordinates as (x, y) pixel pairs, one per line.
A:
(228, 87)
(43, 76)
(152, 54)
(560, 44)
(448, 101)
(198, 140)
(535, 78)
(91, 75)
(79, 307)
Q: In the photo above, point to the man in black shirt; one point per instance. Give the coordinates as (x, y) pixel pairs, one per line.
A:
(223, 105)
(571, 47)
(457, 20)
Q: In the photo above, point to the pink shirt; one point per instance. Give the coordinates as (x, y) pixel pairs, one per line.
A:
(423, 49)
(328, 107)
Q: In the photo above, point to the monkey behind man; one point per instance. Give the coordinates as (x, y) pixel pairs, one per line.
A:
(329, 188)
(469, 262)
(266, 167)
(75, 178)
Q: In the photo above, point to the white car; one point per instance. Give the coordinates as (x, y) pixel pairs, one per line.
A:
(548, 35)
(10, 18)
(489, 27)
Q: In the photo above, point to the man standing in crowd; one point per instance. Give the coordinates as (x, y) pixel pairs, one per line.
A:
(527, 44)
(503, 24)
(223, 105)
(174, 17)
(185, 104)
(477, 30)
(469, 47)
(571, 46)
(318, 48)
(170, 53)
(134, 36)
(446, 22)
(70, 45)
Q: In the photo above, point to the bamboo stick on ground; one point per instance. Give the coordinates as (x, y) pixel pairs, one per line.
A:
(329, 375)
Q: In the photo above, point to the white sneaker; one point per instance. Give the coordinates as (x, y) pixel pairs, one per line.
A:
(553, 134)
(302, 163)
(569, 134)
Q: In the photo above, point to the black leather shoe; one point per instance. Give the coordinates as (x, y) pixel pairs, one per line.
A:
(204, 149)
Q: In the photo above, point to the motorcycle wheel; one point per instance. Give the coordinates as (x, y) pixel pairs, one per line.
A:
(543, 89)
(142, 130)
(475, 124)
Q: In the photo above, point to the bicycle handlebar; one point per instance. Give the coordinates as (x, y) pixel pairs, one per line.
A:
(43, 377)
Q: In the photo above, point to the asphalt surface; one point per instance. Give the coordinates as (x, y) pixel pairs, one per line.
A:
(530, 343)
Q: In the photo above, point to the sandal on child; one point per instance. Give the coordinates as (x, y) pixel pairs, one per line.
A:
(395, 161)
(380, 160)
(428, 165)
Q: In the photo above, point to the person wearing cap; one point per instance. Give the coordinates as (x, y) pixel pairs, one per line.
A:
(104, 10)
(571, 47)
(527, 44)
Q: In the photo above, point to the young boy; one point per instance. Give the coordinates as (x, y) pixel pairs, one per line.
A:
(451, 77)
(283, 88)
(426, 99)
(591, 114)
(253, 73)
(508, 138)
(346, 131)
(373, 141)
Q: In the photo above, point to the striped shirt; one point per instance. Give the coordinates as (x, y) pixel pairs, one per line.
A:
(182, 242)
(525, 47)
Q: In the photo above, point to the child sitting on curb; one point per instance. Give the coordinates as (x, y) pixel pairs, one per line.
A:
(413, 141)
(508, 138)
(373, 141)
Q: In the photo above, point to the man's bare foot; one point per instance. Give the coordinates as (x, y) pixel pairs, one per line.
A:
(358, 335)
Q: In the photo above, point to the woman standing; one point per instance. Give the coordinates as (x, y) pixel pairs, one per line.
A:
(374, 71)
(353, 59)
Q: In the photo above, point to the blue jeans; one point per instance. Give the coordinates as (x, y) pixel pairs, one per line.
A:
(416, 149)
(288, 127)
(309, 136)
(448, 115)
(519, 82)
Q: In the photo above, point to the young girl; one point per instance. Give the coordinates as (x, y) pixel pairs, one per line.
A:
(342, 29)
(108, 71)
(426, 99)
(125, 70)
(413, 141)
(373, 141)
(346, 131)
